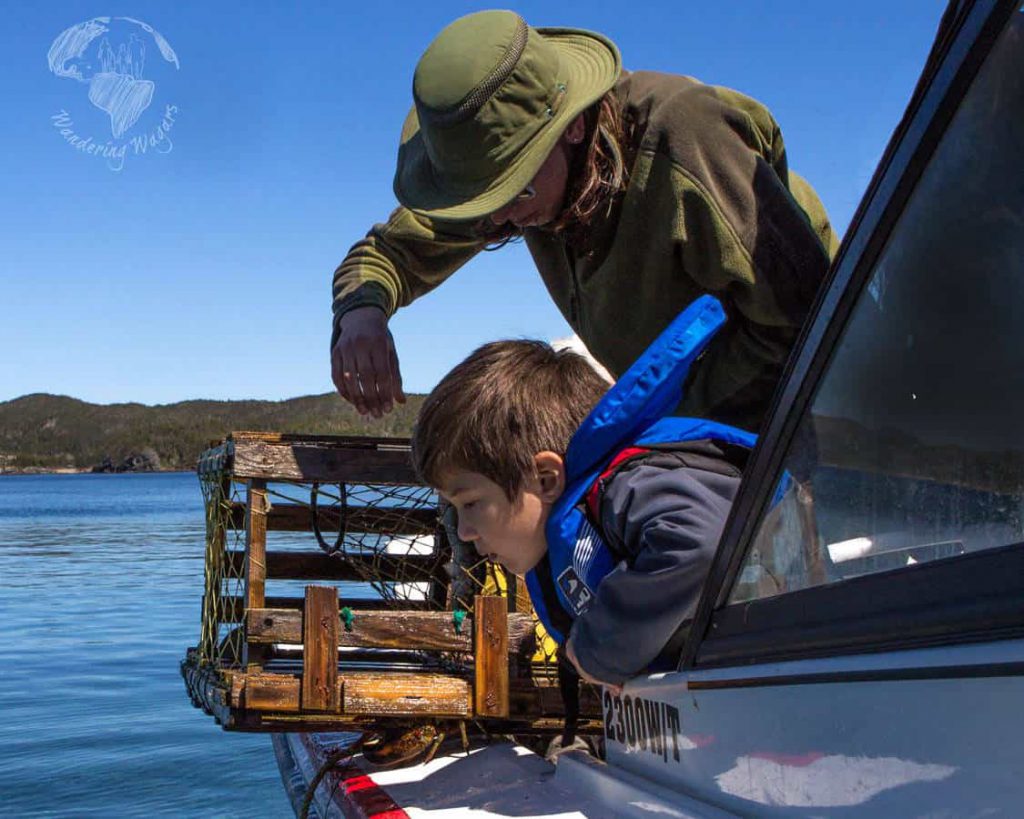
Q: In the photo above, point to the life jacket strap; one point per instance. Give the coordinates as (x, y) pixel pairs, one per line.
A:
(558, 617)
(569, 688)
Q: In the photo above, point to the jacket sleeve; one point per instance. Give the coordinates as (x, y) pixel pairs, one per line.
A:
(668, 521)
(399, 261)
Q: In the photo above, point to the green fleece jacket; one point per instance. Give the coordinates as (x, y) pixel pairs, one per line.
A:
(711, 207)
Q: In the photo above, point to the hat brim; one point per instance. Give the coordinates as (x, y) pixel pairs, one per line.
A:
(592, 66)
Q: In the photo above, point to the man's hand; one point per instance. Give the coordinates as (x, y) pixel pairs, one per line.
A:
(364, 365)
(571, 654)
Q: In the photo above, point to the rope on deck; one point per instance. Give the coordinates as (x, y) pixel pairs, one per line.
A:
(334, 758)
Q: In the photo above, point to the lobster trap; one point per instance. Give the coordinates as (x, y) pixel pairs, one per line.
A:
(335, 598)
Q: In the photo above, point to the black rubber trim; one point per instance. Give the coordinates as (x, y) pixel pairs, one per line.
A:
(968, 598)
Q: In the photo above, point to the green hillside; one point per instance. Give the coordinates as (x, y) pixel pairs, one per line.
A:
(54, 431)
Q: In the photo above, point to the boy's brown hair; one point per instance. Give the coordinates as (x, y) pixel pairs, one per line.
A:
(505, 403)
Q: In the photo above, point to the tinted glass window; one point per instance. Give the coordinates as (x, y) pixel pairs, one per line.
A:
(913, 449)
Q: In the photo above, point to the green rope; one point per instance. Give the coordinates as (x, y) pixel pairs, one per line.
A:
(458, 618)
(347, 617)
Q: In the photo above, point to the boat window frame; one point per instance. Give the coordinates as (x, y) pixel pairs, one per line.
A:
(966, 37)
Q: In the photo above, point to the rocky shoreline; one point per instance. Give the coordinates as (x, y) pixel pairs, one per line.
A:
(71, 470)
(145, 461)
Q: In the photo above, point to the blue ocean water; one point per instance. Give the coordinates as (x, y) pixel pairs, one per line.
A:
(100, 586)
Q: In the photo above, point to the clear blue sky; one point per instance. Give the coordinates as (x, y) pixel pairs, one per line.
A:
(205, 272)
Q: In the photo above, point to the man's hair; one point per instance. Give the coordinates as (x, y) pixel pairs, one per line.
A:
(600, 169)
(505, 403)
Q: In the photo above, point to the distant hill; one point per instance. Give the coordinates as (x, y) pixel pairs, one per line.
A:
(58, 432)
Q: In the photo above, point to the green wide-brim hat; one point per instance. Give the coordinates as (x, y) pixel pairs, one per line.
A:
(492, 97)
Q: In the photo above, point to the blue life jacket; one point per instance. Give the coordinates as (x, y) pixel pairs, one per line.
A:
(633, 413)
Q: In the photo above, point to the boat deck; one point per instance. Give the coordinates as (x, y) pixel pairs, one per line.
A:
(501, 779)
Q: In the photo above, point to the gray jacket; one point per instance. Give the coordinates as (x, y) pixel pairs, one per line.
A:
(664, 515)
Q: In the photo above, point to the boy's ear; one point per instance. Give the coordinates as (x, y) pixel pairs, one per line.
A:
(550, 468)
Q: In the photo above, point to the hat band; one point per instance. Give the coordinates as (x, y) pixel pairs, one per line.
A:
(485, 89)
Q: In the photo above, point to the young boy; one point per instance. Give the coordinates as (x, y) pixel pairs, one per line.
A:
(492, 437)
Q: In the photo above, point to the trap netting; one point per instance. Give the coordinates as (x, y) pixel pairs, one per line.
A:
(221, 642)
(397, 543)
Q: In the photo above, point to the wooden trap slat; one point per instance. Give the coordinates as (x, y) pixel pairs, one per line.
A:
(319, 649)
(254, 564)
(413, 630)
(232, 609)
(398, 695)
(321, 460)
(366, 693)
(348, 441)
(490, 615)
(387, 628)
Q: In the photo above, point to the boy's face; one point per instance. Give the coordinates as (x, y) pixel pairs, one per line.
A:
(507, 532)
